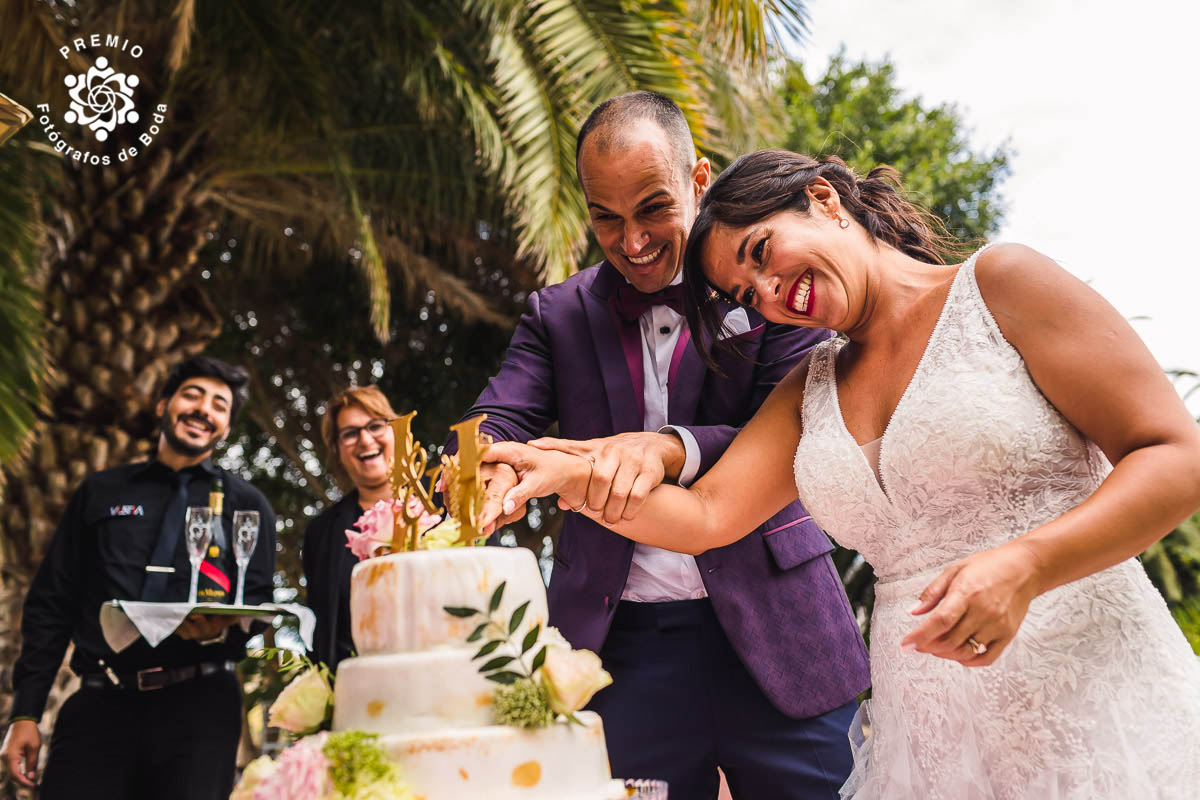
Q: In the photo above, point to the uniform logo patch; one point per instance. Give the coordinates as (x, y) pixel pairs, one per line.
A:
(127, 511)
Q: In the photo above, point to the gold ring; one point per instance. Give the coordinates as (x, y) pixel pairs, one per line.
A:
(979, 647)
(591, 471)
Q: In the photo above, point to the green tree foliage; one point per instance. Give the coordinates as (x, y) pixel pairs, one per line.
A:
(1188, 616)
(1173, 563)
(23, 355)
(857, 110)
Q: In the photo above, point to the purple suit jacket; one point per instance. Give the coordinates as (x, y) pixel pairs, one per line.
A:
(775, 591)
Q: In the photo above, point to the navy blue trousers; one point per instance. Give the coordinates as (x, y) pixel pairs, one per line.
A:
(682, 704)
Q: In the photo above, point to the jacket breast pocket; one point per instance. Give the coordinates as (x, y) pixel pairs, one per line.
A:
(796, 541)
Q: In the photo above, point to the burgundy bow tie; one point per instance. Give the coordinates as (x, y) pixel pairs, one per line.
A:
(631, 303)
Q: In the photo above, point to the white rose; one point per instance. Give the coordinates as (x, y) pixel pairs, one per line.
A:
(444, 534)
(571, 677)
(303, 704)
(552, 637)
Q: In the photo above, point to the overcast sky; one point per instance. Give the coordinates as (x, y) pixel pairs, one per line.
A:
(1099, 101)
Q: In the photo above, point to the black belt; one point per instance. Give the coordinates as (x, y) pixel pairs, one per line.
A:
(145, 680)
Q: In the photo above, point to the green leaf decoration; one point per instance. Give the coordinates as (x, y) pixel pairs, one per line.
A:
(497, 596)
(460, 611)
(497, 663)
(517, 616)
(538, 660)
(487, 648)
(530, 639)
(477, 634)
(504, 677)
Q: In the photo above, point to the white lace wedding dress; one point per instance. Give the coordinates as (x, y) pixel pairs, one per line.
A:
(1098, 697)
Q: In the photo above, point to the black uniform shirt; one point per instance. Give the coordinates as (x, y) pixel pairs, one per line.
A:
(327, 567)
(100, 551)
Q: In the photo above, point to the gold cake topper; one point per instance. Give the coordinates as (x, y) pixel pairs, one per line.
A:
(412, 478)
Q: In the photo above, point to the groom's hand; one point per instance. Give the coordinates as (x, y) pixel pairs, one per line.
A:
(627, 468)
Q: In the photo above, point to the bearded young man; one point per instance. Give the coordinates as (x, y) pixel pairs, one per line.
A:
(146, 722)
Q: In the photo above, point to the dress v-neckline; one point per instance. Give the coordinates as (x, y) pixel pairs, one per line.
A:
(877, 476)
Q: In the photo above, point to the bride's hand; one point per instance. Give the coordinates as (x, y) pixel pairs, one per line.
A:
(980, 600)
(539, 473)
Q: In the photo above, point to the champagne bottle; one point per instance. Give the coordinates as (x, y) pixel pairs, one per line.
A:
(214, 571)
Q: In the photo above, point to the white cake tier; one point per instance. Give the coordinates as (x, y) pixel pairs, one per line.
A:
(412, 692)
(559, 762)
(397, 602)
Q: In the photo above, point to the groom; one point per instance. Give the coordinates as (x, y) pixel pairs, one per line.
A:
(746, 657)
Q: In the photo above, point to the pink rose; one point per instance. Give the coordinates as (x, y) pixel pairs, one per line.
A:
(301, 773)
(375, 526)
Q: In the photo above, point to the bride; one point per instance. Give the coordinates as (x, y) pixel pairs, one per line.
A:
(996, 441)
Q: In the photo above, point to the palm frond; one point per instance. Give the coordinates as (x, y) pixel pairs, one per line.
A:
(540, 122)
(23, 359)
(30, 60)
(454, 293)
(749, 30)
(184, 19)
(261, 207)
(370, 263)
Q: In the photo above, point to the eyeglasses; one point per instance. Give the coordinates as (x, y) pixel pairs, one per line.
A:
(349, 436)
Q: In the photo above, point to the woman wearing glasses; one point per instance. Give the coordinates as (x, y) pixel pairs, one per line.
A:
(355, 429)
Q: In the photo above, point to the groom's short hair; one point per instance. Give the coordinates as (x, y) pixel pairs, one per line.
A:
(609, 119)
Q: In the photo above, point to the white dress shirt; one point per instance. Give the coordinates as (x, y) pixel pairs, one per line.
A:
(658, 575)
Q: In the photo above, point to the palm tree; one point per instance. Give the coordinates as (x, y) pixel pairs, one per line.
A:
(409, 138)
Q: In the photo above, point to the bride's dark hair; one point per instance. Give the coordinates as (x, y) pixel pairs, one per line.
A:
(760, 184)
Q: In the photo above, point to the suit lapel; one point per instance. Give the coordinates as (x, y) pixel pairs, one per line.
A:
(615, 368)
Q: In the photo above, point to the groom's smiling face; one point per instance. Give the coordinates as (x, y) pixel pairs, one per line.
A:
(642, 198)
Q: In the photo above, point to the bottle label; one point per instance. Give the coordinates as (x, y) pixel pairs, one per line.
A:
(214, 584)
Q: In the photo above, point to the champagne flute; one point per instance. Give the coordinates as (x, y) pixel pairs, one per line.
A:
(198, 533)
(245, 537)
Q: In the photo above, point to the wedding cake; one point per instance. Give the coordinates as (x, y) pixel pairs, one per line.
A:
(417, 683)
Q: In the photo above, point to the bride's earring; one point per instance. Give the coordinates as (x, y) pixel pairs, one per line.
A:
(843, 223)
